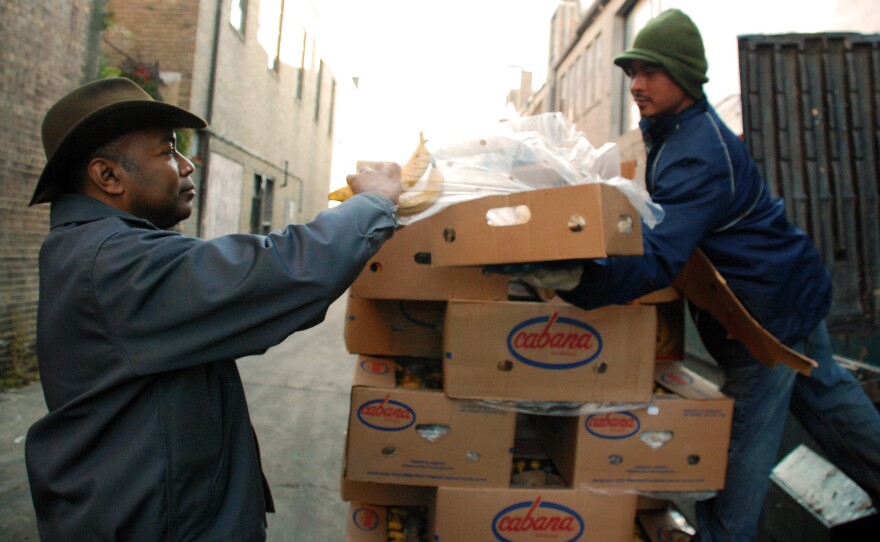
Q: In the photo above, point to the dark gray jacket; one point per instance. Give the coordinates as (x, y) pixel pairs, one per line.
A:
(148, 435)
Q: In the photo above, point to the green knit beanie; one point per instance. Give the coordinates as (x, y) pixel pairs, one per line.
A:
(673, 41)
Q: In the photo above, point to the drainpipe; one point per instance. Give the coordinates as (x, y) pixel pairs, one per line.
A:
(204, 140)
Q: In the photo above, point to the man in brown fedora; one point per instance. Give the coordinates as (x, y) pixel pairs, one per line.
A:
(148, 435)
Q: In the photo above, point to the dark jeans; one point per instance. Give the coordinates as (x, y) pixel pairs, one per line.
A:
(829, 404)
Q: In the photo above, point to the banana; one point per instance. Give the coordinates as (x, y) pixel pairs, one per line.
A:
(341, 194)
(414, 200)
(418, 163)
(418, 191)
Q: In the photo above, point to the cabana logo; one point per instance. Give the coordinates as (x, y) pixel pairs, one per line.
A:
(676, 378)
(386, 415)
(613, 425)
(532, 520)
(554, 342)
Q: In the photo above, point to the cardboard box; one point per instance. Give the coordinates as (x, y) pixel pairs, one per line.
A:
(677, 444)
(385, 494)
(704, 287)
(388, 327)
(670, 331)
(532, 515)
(370, 523)
(424, 438)
(572, 222)
(664, 525)
(663, 295)
(509, 350)
(402, 270)
(366, 523)
(380, 373)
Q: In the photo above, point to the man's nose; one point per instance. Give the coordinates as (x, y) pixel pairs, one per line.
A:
(184, 165)
(636, 83)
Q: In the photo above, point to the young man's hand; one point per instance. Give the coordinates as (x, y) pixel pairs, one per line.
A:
(561, 275)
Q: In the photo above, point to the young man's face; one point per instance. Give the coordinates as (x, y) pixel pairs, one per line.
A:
(158, 186)
(654, 91)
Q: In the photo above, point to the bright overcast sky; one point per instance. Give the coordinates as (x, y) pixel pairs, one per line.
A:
(425, 65)
(440, 66)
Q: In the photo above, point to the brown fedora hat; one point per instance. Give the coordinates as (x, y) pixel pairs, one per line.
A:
(92, 115)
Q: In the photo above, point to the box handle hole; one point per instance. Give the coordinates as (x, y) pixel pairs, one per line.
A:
(577, 223)
(656, 439)
(432, 432)
(508, 216)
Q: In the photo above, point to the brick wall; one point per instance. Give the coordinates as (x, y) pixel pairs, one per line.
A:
(162, 31)
(47, 48)
(159, 32)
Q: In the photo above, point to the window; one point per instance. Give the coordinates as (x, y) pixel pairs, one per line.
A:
(318, 90)
(563, 93)
(275, 56)
(587, 62)
(270, 31)
(598, 67)
(261, 204)
(238, 14)
(578, 90)
(300, 73)
(332, 106)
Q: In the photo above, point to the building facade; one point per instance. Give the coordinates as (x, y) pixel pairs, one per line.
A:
(253, 70)
(48, 48)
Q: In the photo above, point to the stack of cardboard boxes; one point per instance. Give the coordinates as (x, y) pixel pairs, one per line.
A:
(499, 417)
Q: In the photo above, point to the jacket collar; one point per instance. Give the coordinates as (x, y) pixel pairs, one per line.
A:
(79, 209)
(659, 128)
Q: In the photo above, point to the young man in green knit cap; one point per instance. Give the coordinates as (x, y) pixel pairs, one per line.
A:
(715, 200)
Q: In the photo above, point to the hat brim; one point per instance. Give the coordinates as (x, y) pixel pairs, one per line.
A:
(642, 55)
(99, 127)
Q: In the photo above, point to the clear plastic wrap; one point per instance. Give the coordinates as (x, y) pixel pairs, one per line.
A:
(526, 153)
(551, 408)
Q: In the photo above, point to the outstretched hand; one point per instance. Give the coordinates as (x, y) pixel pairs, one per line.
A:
(382, 179)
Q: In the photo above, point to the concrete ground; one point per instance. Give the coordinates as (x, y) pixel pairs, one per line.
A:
(298, 395)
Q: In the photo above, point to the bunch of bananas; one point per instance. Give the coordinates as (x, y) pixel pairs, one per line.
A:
(421, 183)
(406, 524)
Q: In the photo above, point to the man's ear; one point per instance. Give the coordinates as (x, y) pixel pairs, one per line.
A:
(103, 174)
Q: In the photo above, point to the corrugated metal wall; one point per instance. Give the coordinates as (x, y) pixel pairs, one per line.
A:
(811, 118)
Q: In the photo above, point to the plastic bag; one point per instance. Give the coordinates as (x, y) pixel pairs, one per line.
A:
(527, 153)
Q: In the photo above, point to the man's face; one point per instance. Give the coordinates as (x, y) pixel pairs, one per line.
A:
(655, 93)
(157, 187)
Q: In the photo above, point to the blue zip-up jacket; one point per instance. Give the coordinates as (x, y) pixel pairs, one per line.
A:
(148, 435)
(714, 198)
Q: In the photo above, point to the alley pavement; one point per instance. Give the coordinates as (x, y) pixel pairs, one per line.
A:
(298, 396)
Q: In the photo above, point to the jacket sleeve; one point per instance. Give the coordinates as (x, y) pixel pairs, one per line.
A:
(173, 301)
(694, 191)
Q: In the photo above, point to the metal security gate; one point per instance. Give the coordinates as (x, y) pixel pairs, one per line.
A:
(811, 118)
